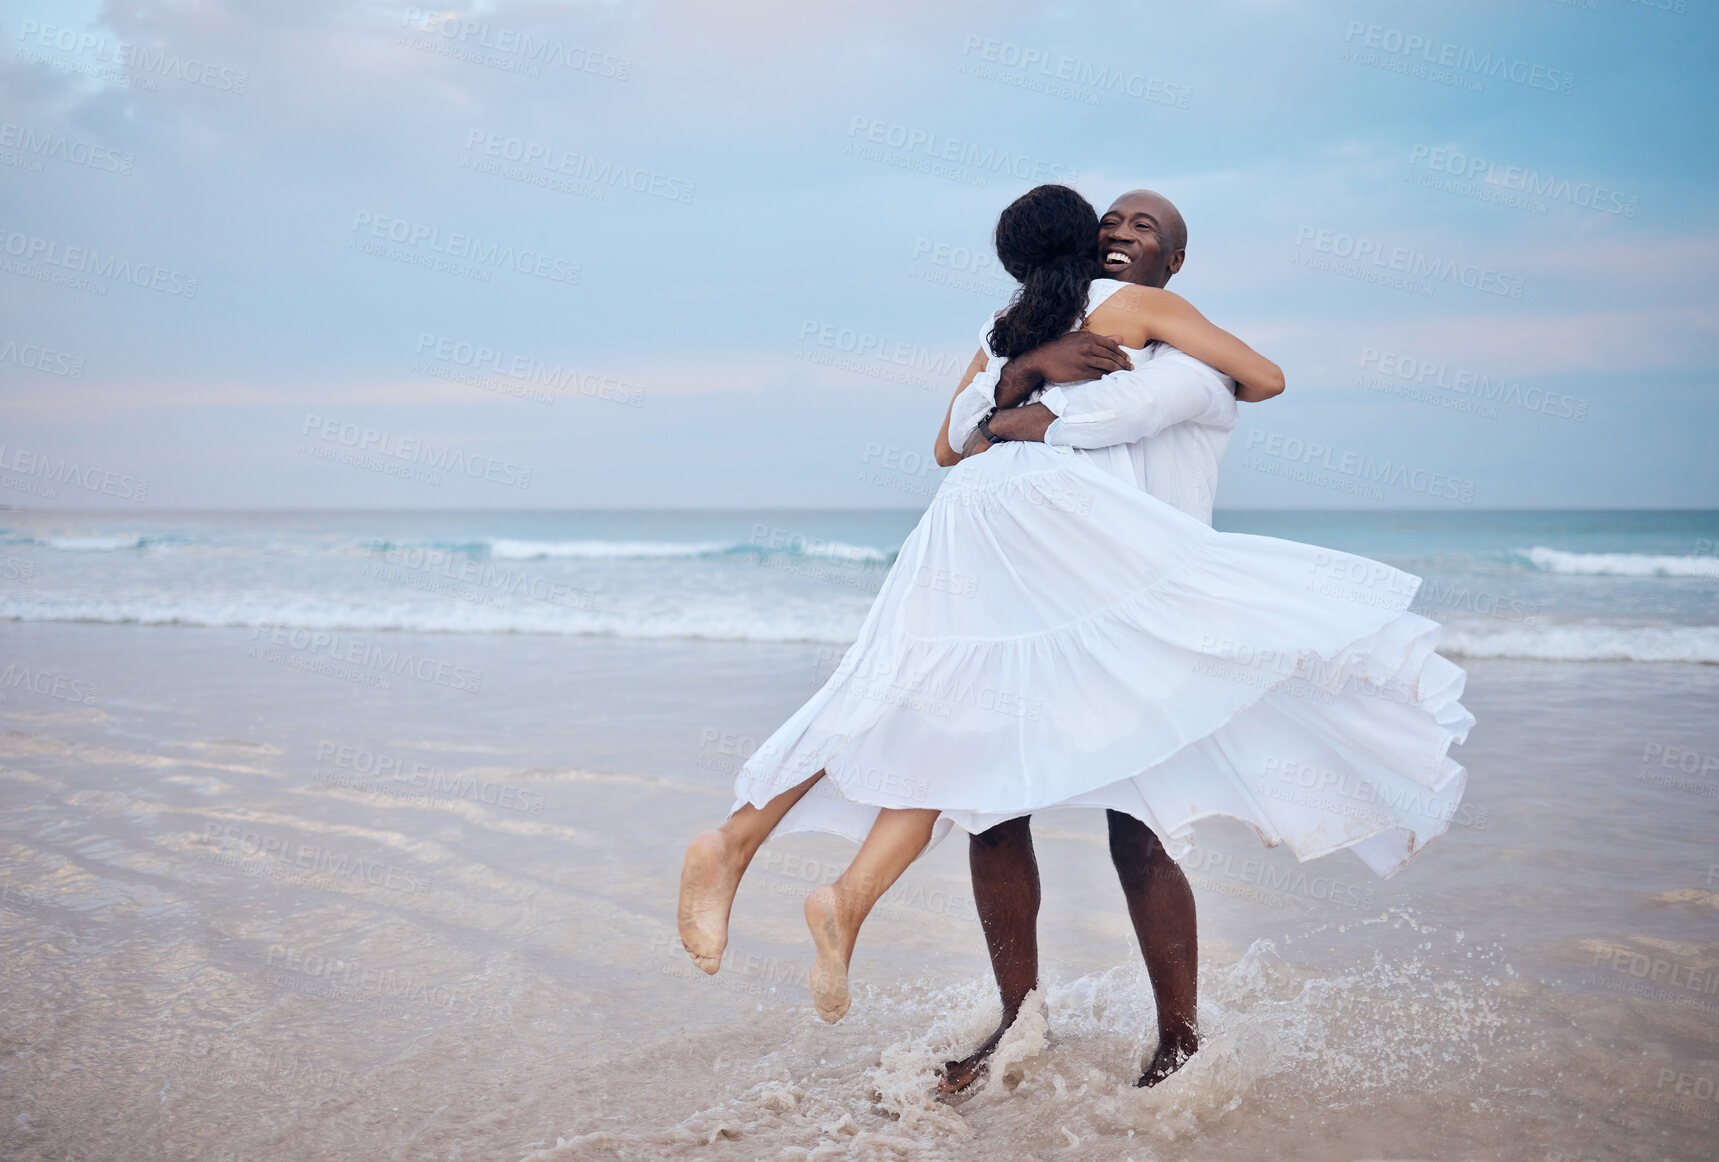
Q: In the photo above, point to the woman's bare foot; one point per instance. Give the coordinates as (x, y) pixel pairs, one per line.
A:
(835, 943)
(708, 880)
(1173, 1053)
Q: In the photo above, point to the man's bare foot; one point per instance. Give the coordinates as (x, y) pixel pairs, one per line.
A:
(958, 1075)
(708, 881)
(1173, 1053)
(829, 975)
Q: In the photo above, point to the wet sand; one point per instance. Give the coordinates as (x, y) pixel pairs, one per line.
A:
(258, 910)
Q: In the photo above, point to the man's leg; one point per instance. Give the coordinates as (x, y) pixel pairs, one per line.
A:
(1006, 891)
(710, 873)
(1161, 904)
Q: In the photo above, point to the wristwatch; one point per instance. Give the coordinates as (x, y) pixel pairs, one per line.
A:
(985, 429)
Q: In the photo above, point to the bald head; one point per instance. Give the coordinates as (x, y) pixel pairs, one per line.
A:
(1142, 238)
(1160, 207)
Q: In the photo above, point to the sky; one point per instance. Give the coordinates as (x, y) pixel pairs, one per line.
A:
(617, 255)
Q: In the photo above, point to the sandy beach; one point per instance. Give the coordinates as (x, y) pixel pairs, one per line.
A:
(439, 445)
(255, 909)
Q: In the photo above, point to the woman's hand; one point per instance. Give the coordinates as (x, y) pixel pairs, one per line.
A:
(945, 455)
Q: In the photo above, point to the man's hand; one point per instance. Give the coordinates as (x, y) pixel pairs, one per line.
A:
(1075, 358)
(1026, 424)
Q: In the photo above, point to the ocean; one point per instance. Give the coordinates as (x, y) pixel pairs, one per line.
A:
(1564, 586)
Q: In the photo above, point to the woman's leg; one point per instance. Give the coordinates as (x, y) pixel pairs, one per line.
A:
(710, 874)
(835, 912)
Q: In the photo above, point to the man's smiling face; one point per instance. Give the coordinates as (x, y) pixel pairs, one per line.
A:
(1141, 239)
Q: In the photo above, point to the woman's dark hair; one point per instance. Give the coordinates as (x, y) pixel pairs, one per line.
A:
(1047, 239)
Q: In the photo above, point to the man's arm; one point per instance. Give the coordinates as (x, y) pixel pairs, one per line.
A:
(1123, 406)
(1073, 358)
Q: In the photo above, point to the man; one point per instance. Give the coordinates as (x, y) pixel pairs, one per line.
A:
(1172, 417)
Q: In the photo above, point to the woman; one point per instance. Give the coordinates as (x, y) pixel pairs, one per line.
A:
(1052, 636)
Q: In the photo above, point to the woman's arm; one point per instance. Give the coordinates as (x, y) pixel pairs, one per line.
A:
(947, 456)
(1247, 393)
(1169, 318)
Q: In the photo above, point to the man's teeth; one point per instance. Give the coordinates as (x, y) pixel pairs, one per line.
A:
(1116, 256)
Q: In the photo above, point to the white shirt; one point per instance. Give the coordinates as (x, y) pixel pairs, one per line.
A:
(1165, 425)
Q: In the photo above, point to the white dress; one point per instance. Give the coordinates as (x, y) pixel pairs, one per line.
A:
(1051, 636)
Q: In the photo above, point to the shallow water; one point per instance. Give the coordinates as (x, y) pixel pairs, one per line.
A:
(258, 911)
(1556, 586)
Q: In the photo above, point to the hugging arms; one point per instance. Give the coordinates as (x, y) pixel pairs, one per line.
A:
(1114, 401)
